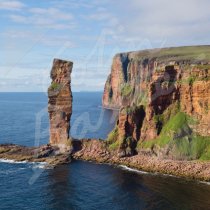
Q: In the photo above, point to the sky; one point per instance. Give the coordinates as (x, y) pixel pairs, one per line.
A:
(89, 33)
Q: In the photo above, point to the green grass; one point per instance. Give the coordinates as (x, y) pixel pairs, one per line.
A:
(114, 145)
(195, 147)
(191, 80)
(142, 98)
(54, 86)
(126, 90)
(113, 136)
(193, 53)
(190, 147)
(182, 147)
(191, 120)
(114, 142)
(204, 148)
(199, 147)
(174, 124)
(203, 67)
(206, 153)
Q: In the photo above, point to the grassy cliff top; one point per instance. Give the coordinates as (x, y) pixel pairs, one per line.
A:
(190, 53)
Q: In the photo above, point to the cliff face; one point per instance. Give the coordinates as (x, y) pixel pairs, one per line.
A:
(163, 83)
(60, 102)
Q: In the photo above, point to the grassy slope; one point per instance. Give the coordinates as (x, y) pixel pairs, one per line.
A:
(187, 145)
(176, 53)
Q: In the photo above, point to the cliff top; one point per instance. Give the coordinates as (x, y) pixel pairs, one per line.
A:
(193, 54)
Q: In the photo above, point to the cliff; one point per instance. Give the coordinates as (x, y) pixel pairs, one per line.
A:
(60, 102)
(164, 96)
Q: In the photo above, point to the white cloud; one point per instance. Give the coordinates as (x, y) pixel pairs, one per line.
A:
(18, 18)
(20, 79)
(50, 18)
(178, 22)
(11, 5)
(52, 13)
(75, 4)
(42, 21)
(40, 38)
(100, 16)
(164, 11)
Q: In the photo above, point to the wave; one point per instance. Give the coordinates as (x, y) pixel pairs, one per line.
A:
(133, 170)
(11, 171)
(208, 183)
(40, 165)
(12, 161)
(144, 172)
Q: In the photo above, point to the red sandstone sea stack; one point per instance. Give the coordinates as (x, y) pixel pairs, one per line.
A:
(60, 102)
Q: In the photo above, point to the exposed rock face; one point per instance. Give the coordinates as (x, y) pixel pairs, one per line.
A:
(158, 81)
(130, 124)
(96, 150)
(46, 153)
(195, 101)
(60, 102)
(129, 129)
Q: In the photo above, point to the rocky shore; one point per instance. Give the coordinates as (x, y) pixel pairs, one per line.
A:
(46, 153)
(98, 151)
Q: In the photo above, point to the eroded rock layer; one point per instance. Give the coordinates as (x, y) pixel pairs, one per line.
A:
(160, 83)
(60, 102)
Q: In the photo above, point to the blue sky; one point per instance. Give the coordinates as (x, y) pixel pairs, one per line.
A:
(89, 33)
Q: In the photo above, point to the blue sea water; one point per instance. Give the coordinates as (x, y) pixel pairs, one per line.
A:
(24, 118)
(80, 185)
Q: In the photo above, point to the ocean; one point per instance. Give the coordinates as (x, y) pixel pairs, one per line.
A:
(81, 185)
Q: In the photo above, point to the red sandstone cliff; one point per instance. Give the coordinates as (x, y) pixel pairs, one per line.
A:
(162, 82)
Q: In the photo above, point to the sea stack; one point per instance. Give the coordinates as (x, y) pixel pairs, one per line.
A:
(60, 103)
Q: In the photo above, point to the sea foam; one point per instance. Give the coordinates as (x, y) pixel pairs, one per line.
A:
(40, 165)
(12, 161)
(133, 170)
(208, 183)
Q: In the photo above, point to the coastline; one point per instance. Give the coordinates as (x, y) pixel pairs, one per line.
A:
(145, 169)
(97, 151)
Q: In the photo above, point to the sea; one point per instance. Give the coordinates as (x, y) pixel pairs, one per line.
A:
(81, 185)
